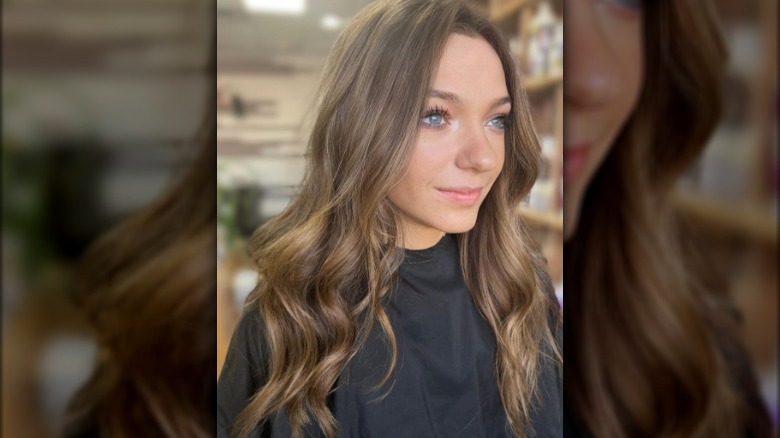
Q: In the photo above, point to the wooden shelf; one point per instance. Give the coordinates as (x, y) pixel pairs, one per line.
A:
(745, 218)
(508, 9)
(542, 83)
(546, 219)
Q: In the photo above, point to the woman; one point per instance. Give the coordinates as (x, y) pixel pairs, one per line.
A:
(399, 292)
(651, 350)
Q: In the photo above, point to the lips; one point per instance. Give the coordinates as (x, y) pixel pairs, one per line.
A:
(575, 157)
(461, 195)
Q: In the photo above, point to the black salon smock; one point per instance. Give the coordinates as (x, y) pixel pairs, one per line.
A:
(445, 385)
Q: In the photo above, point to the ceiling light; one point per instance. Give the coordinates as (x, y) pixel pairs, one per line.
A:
(286, 7)
(331, 22)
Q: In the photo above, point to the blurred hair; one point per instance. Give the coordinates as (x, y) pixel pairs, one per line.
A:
(649, 347)
(330, 258)
(148, 289)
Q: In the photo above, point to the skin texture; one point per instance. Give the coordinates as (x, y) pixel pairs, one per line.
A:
(604, 65)
(460, 143)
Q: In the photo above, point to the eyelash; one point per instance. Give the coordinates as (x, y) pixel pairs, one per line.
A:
(504, 118)
(436, 111)
(439, 111)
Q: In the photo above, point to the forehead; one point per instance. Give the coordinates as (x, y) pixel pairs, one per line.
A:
(471, 68)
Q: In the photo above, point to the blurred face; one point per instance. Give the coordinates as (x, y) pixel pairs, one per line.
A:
(604, 64)
(460, 147)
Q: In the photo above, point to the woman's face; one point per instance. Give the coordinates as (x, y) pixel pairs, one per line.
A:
(604, 65)
(460, 147)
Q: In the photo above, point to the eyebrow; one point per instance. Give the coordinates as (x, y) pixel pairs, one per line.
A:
(454, 98)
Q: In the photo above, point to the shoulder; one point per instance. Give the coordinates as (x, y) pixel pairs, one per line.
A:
(244, 372)
(249, 343)
(554, 311)
(246, 365)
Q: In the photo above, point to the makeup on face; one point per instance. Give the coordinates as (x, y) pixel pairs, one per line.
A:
(462, 195)
(459, 151)
(575, 158)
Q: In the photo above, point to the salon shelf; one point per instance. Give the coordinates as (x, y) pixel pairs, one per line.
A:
(546, 219)
(749, 219)
(507, 9)
(539, 84)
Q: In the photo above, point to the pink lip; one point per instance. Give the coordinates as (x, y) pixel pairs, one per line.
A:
(575, 157)
(461, 195)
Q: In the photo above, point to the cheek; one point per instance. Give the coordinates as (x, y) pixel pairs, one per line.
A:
(417, 176)
(629, 61)
(629, 55)
(500, 150)
(501, 156)
(429, 159)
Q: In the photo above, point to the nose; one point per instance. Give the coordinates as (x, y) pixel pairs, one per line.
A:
(478, 152)
(592, 68)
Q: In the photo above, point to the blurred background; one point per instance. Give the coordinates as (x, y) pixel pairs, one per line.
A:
(101, 101)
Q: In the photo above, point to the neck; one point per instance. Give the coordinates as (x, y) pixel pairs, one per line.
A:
(421, 241)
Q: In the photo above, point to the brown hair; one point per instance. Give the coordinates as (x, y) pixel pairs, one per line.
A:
(642, 334)
(328, 260)
(147, 287)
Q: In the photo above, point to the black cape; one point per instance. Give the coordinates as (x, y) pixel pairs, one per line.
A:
(444, 384)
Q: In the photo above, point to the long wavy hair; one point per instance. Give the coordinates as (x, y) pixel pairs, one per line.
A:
(147, 288)
(649, 347)
(330, 258)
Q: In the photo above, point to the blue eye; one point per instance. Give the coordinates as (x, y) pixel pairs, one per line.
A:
(435, 117)
(499, 122)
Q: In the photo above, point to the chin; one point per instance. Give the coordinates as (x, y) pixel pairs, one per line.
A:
(458, 226)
